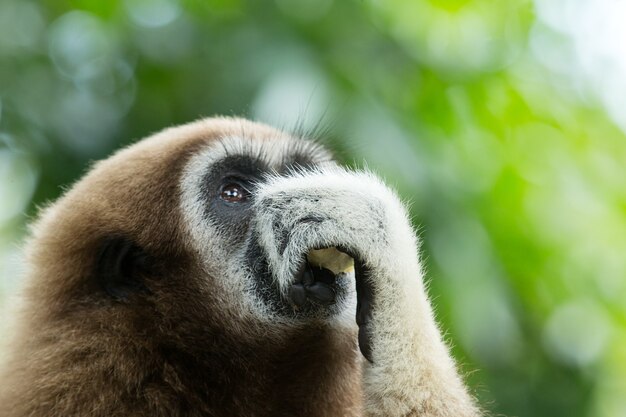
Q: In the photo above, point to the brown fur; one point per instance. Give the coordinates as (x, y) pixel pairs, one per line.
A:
(177, 351)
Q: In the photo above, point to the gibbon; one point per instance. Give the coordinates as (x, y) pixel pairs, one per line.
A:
(226, 268)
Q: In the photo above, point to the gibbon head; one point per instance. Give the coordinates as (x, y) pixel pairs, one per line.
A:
(186, 231)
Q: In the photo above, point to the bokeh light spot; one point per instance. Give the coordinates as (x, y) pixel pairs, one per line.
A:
(152, 13)
(18, 178)
(577, 332)
(79, 44)
(591, 50)
(21, 25)
(293, 97)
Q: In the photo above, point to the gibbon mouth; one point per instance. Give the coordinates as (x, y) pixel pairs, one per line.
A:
(319, 277)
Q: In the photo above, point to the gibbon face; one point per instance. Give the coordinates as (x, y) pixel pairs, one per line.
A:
(236, 231)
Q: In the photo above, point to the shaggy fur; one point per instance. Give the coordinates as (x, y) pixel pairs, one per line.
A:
(196, 331)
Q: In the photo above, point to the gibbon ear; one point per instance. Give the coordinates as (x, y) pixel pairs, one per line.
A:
(120, 268)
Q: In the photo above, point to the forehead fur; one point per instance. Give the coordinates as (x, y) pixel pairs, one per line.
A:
(145, 175)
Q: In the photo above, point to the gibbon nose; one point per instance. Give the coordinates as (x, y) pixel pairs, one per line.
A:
(283, 233)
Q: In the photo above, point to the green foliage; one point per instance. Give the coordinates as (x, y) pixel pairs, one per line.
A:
(515, 176)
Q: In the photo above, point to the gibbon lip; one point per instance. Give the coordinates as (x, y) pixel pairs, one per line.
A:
(314, 283)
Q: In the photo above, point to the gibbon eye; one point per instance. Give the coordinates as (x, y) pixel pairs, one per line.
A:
(233, 192)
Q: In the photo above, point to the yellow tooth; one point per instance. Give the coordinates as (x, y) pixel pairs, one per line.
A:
(331, 259)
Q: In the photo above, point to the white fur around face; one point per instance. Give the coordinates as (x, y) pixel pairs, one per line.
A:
(207, 236)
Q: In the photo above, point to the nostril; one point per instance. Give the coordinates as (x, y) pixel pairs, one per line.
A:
(311, 219)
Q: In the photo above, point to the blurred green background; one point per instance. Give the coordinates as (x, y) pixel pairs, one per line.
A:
(502, 122)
